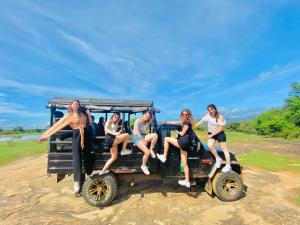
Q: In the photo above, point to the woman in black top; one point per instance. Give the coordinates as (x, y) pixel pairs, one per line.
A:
(183, 143)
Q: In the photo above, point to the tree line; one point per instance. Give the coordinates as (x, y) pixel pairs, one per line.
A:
(276, 122)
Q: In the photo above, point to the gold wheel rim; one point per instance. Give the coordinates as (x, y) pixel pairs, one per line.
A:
(98, 190)
(230, 187)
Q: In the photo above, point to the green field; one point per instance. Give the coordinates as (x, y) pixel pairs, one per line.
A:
(12, 150)
(271, 161)
(240, 137)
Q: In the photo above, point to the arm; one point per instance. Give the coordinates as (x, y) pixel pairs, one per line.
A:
(183, 131)
(203, 119)
(173, 122)
(63, 122)
(199, 123)
(221, 123)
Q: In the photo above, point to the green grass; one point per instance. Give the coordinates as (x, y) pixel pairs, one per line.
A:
(271, 161)
(241, 137)
(12, 150)
(17, 134)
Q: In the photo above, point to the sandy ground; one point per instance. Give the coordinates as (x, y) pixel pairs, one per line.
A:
(30, 196)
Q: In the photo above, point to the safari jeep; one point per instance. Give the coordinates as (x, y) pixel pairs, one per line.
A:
(101, 190)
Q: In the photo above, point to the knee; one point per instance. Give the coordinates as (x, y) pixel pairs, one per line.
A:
(155, 136)
(167, 139)
(147, 153)
(210, 147)
(127, 135)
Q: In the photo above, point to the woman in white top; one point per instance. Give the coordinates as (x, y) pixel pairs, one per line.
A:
(112, 139)
(216, 123)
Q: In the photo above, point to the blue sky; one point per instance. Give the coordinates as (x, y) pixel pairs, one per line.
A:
(240, 55)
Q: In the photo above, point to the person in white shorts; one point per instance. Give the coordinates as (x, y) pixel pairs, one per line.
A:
(216, 123)
(141, 139)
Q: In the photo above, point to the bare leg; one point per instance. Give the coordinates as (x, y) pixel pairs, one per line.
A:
(183, 156)
(151, 138)
(123, 137)
(167, 141)
(114, 156)
(125, 142)
(146, 151)
(226, 152)
(212, 149)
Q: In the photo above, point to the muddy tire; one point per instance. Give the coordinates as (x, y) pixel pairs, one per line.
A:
(228, 186)
(99, 191)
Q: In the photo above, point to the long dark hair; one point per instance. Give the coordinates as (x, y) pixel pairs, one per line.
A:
(215, 108)
(74, 100)
(116, 114)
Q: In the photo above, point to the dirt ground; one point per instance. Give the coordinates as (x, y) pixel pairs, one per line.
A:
(29, 196)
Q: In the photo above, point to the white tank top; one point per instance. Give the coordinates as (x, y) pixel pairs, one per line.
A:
(213, 125)
(112, 126)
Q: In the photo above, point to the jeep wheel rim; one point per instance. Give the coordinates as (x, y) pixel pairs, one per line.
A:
(230, 187)
(98, 190)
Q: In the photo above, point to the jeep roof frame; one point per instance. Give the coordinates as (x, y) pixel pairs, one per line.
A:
(105, 105)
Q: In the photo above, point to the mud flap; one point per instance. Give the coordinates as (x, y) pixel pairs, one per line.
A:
(60, 177)
(208, 187)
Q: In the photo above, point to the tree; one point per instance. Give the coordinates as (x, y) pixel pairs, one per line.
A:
(18, 129)
(282, 122)
(295, 92)
(292, 105)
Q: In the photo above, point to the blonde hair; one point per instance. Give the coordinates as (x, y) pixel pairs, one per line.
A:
(190, 117)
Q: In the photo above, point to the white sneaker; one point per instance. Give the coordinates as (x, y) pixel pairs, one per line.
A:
(145, 170)
(184, 183)
(218, 162)
(103, 172)
(152, 154)
(76, 187)
(161, 157)
(126, 152)
(94, 172)
(226, 169)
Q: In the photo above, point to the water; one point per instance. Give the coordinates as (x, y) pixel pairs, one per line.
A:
(21, 138)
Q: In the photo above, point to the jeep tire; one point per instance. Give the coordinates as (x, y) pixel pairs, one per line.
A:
(228, 186)
(99, 191)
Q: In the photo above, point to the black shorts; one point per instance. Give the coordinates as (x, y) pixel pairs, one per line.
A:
(220, 137)
(184, 142)
(109, 140)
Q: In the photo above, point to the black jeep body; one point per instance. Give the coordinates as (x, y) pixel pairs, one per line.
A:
(200, 160)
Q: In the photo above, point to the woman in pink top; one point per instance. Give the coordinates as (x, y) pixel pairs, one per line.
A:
(78, 120)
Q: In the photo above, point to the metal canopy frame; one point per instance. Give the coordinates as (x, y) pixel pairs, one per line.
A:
(105, 105)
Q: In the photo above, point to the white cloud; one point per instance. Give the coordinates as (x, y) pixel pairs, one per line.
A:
(49, 91)
(264, 78)
(10, 108)
(233, 114)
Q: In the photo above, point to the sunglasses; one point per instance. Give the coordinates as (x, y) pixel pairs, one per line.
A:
(185, 114)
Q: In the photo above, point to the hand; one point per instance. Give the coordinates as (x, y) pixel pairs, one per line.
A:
(178, 132)
(42, 139)
(82, 145)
